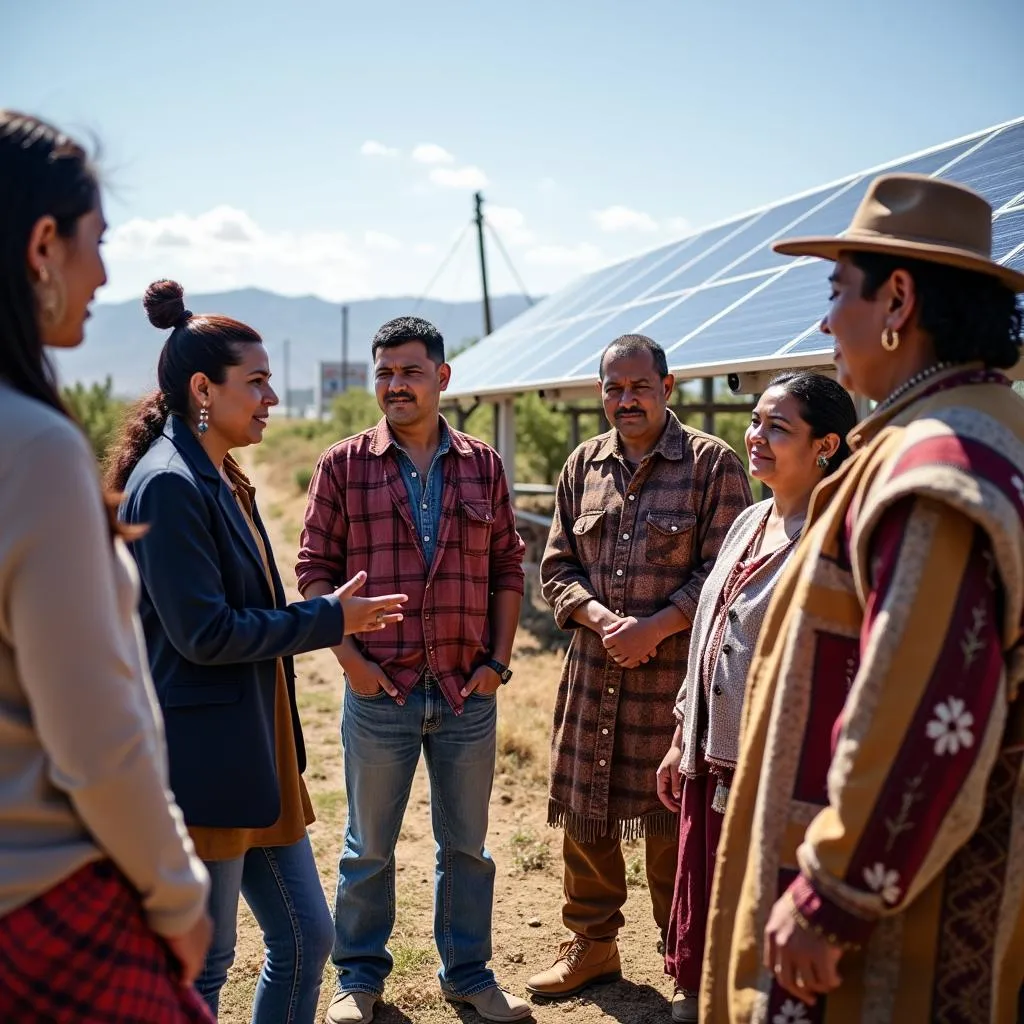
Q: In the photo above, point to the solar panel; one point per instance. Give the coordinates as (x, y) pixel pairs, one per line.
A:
(720, 297)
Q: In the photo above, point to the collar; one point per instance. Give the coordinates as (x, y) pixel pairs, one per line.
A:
(905, 409)
(236, 475)
(671, 444)
(381, 438)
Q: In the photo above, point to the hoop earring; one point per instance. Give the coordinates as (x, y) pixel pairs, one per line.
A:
(52, 298)
(890, 339)
(822, 462)
(204, 419)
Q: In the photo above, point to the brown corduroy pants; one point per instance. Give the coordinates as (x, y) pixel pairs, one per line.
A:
(595, 883)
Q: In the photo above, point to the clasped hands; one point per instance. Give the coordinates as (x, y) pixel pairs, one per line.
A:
(630, 641)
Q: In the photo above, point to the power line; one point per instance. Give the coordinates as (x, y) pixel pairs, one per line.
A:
(508, 262)
(444, 264)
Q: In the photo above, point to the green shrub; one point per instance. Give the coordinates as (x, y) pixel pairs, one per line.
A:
(97, 410)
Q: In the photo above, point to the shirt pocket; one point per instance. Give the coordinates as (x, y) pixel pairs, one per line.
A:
(587, 530)
(477, 521)
(670, 538)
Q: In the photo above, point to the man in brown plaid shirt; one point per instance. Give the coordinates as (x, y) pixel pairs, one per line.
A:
(426, 509)
(641, 512)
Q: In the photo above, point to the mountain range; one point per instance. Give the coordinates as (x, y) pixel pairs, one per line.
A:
(120, 342)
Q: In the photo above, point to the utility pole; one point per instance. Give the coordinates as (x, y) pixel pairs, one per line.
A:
(479, 199)
(287, 377)
(344, 348)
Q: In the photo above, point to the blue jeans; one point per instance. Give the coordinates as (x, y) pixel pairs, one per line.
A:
(282, 888)
(382, 744)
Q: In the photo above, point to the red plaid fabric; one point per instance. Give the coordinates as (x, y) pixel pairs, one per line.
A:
(358, 517)
(82, 953)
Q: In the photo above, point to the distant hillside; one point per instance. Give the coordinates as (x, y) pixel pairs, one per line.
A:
(120, 342)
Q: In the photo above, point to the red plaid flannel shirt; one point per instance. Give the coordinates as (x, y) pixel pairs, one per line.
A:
(359, 517)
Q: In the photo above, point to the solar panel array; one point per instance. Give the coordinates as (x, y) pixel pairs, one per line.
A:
(719, 299)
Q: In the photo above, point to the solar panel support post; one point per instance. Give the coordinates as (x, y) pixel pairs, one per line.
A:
(478, 200)
(708, 389)
(506, 439)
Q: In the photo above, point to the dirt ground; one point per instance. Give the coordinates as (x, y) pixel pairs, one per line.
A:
(527, 913)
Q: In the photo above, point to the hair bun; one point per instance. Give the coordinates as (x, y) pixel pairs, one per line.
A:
(164, 303)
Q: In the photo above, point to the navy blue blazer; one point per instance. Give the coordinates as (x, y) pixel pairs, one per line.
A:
(214, 632)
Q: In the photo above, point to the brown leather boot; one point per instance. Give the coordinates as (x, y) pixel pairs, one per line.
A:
(581, 962)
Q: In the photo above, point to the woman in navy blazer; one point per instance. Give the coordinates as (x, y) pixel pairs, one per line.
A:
(221, 637)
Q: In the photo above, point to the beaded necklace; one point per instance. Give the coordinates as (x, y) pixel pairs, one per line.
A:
(908, 385)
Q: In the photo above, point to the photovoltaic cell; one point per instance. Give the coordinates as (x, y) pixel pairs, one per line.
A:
(721, 295)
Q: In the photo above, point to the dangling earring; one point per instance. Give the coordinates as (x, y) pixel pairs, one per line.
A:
(204, 419)
(890, 339)
(822, 462)
(51, 297)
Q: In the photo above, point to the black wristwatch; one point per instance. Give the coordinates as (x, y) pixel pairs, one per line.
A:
(504, 672)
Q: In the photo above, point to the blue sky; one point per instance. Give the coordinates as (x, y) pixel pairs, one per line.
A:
(333, 148)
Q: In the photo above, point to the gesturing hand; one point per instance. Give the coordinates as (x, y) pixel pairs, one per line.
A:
(368, 614)
(631, 641)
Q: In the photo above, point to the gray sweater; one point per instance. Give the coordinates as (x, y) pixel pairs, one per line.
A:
(83, 771)
(722, 706)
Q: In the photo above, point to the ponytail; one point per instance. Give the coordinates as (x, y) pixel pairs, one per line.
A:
(143, 423)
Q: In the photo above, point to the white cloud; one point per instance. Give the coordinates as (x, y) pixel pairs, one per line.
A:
(459, 177)
(678, 225)
(582, 256)
(425, 249)
(225, 248)
(622, 218)
(431, 153)
(381, 240)
(372, 148)
(510, 225)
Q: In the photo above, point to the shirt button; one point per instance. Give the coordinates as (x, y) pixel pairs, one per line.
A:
(611, 689)
(727, 649)
(618, 572)
(632, 497)
(618, 611)
(604, 732)
(717, 691)
(602, 762)
(414, 475)
(424, 505)
(625, 536)
(674, 528)
(733, 615)
(426, 540)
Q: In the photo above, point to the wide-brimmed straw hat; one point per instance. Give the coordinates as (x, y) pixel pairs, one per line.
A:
(918, 217)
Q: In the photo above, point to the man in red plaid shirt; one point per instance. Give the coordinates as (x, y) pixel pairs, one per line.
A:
(424, 509)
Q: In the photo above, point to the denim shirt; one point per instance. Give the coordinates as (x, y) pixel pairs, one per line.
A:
(425, 495)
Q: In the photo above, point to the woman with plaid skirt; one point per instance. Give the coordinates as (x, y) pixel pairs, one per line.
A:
(102, 898)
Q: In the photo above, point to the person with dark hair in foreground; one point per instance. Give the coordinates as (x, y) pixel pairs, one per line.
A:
(640, 516)
(870, 862)
(102, 898)
(796, 438)
(221, 638)
(426, 509)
